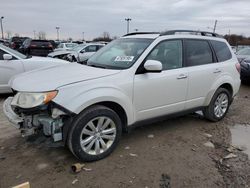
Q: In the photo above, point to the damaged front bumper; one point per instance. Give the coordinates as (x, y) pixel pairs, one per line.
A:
(49, 119)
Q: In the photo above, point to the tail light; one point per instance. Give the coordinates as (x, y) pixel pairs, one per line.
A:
(50, 46)
(237, 65)
(32, 45)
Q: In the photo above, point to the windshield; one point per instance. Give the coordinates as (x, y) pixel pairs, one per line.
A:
(120, 54)
(245, 51)
(70, 45)
(14, 52)
(79, 47)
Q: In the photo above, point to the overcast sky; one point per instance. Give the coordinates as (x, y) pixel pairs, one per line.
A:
(93, 17)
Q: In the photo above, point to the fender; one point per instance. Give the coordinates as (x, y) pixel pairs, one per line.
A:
(77, 103)
(224, 79)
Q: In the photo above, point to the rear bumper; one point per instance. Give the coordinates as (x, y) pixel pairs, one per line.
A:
(10, 114)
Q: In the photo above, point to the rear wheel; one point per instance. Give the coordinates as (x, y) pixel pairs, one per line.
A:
(95, 133)
(218, 106)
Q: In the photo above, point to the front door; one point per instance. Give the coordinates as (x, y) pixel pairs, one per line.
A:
(157, 94)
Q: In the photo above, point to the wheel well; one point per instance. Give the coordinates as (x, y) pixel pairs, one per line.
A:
(227, 87)
(119, 110)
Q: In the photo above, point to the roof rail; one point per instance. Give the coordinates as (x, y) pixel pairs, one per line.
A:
(203, 33)
(140, 33)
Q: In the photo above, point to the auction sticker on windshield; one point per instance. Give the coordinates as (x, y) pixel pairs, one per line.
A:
(124, 58)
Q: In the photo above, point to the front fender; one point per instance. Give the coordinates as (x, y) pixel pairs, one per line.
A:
(77, 103)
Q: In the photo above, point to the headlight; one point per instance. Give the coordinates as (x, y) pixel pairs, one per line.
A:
(30, 100)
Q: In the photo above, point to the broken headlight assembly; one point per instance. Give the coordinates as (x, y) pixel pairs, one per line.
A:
(31, 99)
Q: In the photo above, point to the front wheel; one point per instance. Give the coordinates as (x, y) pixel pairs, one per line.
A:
(95, 133)
(218, 106)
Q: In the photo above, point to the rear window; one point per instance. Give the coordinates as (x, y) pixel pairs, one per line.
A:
(40, 43)
(221, 50)
(198, 52)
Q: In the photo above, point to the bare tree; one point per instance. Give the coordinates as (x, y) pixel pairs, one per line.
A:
(106, 35)
(42, 35)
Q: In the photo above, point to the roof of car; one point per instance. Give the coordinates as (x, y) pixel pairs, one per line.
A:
(175, 34)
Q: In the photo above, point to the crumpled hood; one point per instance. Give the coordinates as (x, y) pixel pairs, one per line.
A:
(50, 78)
(60, 52)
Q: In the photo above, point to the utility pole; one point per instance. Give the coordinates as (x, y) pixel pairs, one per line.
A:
(82, 36)
(34, 34)
(128, 20)
(2, 26)
(57, 32)
(215, 24)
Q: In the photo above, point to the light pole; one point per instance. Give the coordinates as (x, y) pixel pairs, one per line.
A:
(128, 20)
(82, 36)
(2, 25)
(215, 24)
(57, 32)
(34, 34)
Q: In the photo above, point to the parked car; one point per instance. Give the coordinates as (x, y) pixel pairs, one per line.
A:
(243, 54)
(53, 43)
(137, 78)
(65, 46)
(245, 71)
(16, 42)
(4, 42)
(36, 47)
(12, 63)
(80, 53)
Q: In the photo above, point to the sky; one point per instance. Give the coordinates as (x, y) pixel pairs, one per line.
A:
(93, 17)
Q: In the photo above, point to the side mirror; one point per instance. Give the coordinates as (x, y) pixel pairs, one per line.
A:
(7, 56)
(83, 51)
(153, 66)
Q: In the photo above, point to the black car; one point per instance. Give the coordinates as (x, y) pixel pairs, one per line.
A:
(36, 47)
(245, 71)
(16, 42)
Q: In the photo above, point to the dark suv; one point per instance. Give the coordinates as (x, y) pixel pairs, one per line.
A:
(36, 47)
(16, 42)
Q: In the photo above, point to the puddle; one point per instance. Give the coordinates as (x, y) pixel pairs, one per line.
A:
(241, 137)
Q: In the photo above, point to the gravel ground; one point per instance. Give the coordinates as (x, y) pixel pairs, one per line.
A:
(168, 153)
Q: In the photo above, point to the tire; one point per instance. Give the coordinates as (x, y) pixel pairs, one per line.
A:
(210, 113)
(83, 132)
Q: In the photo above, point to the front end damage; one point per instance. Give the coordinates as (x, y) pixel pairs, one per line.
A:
(50, 119)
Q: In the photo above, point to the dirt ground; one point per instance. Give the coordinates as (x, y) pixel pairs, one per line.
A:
(167, 153)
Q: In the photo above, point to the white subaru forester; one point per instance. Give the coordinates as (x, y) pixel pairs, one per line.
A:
(136, 78)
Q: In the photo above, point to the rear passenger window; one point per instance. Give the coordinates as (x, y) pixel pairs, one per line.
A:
(198, 52)
(221, 50)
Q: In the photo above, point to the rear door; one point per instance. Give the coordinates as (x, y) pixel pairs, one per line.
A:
(8, 68)
(202, 69)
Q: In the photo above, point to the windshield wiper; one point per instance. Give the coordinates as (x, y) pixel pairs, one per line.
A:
(97, 66)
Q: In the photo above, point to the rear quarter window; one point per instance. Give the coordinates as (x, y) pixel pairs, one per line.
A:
(221, 50)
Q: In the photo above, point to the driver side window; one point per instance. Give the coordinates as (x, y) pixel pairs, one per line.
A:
(169, 53)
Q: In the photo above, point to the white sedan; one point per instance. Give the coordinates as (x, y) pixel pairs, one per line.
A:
(13, 63)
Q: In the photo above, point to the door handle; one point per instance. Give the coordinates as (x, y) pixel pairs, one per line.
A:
(217, 71)
(182, 76)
